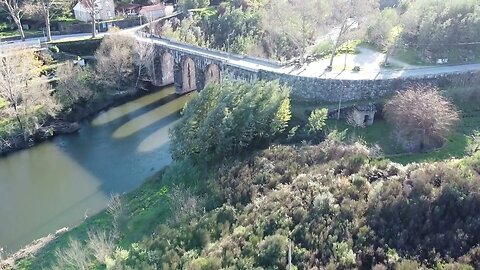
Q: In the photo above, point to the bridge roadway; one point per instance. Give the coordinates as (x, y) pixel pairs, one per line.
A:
(259, 64)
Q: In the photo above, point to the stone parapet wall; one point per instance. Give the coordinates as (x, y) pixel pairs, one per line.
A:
(332, 90)
(311, 89)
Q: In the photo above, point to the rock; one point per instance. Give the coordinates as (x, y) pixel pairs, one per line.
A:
(61, 231)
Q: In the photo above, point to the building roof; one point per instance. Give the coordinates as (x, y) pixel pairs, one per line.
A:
(151, 8)
(129, 7)
(365, 108)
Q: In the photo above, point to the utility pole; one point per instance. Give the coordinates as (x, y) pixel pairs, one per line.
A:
(289, 255)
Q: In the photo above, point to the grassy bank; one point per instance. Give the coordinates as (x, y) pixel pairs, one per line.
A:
(380, 133)
(144, 210)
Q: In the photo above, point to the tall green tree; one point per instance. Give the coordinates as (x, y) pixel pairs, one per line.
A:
(439, 28)
(228, 118)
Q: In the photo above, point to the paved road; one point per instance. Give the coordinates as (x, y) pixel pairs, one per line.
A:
(256, 64)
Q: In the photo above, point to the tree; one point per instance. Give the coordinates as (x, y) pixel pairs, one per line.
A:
(16, 11)
(192, 4)
(316, 120)
(92, 9)
(421, 116)
(294, 20)
(72, 84)
(385, 31)
(226, 119)
(144, 55)
(348, 15)
(440, 29)
(47, 9)
(28, 94)
(115, 66)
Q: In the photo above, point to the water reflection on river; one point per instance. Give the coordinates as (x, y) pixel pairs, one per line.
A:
(57, 183)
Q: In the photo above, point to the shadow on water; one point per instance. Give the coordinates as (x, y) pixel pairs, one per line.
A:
(58, 183)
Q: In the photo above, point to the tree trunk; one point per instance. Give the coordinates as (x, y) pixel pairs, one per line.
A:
(387, 55)
(138, 76)
(337, 42)
(20, 28)
(47, 25)
(334, 50)
(303, 49)
(93, 26)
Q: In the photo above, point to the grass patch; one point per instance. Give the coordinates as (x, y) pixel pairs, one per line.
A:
(408, 56)
(379, 133)
(16, 33)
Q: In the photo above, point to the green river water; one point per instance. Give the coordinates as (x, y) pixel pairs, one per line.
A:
(60, 182)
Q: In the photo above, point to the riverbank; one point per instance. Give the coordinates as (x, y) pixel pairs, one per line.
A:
(143, 210)
(67, 122)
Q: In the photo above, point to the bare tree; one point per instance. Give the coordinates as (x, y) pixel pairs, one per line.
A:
(348, 14)
(115, 209)
(16, 11)
(46, 9)
(27, 93)
(75, 256)
(115, 66)
(144, 56)
(92, 8)
(183, 203)
(422, 117)
(101, 244)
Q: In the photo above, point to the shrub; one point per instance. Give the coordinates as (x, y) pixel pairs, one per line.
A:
(272, 251)
(203, 263)
(316, 120)
(323, 48)
(421, 116)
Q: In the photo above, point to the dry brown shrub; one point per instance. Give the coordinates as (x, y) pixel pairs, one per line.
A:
(422, 117)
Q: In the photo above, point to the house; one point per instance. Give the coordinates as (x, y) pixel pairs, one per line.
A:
(128, 9)
(105, 10)
(153, 12)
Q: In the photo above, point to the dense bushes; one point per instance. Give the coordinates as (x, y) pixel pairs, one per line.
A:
(340, 208)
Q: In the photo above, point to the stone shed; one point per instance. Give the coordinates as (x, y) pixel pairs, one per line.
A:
(363, 115)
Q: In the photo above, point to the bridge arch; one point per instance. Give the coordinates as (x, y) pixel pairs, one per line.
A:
(189, 80)
(167, 68)
(212, 74)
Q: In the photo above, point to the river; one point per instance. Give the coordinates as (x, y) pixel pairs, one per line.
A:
(60, 182)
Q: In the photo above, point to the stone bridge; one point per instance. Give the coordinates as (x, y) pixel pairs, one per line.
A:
(190, 68)
(192, 71)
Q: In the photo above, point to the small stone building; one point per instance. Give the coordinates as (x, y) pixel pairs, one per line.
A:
(363, 115)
